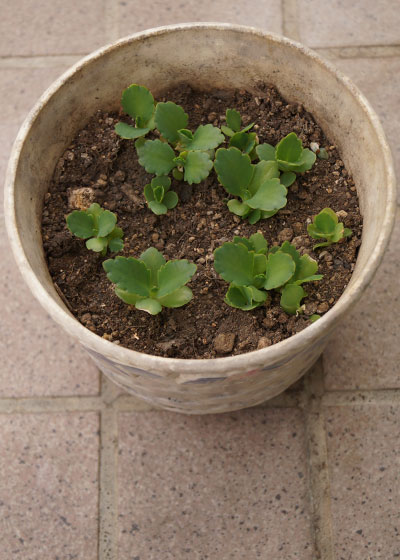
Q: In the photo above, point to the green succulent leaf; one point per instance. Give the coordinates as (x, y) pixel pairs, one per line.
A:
(289, 149)
(244, 141)
(233, 119)
(153, 260)
(116, 244)
(291, 298)
(235, 263)
(238, 208)
(227, 131)
(347, 232)
(244, 297)
(326, 221)
(97, 244)
(259, 243)
(315, 317)
(106, 223)
(129, 274)
(322, 153)
(280, 269)
(178, 175)
(234, 170)
(263, 171)
(173, 275)
(126, 297)
(138, 102)
(130, 132)
(270, 196)
(179, 297)
(254, 216)
(170, 199)
(81, 224)
(156, 157)
(158, 208)
(266, 152)
(169, 119)
(287, 178)
(148, 193)
(150, 305)
(305, 162)
(291, 250)
(161, 181)
(206, 137)
(260, 265)
(197, 167)
(305, 267)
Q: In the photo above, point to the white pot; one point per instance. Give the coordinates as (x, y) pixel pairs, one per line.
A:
(206, 56)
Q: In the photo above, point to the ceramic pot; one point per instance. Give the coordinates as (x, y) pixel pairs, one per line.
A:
(205, 56)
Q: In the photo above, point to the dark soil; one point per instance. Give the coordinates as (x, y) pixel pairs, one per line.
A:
(107, 166)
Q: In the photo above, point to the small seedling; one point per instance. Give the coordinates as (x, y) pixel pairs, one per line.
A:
(159, 197)
(258, 186)
(98, 226)
(234, 122)
(252, 271)
(326, 225)
(150, 283)
(138, 103)
(289, 154)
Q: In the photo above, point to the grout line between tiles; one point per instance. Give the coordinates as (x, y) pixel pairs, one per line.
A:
(108, 489)
(289, 19)
(318, 464)
(349, 398)
(50, 404)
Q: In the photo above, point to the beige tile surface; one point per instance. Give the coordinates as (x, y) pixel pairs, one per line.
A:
(37, 357)
(379, 80)
(48, 486)
(28, 27)
(364, 353)
(342, 23)
(365, 481)
(213, 487)
(134, 16)
(20, 88)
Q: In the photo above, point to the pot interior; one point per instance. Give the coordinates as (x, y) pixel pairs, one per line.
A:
(205, 57)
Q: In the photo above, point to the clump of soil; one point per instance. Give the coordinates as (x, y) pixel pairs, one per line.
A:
(106, 169)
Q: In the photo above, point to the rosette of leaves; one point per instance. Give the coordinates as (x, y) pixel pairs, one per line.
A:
(242, 263)
(150, 282)
(192, 158)
(252, 271)
(158, 196)
(290, 156)
(98, 227)
(138, 103)
(242, 139)
(326, 225)
(257, 186)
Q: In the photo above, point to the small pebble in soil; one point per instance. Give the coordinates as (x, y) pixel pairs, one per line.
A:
(224, 343)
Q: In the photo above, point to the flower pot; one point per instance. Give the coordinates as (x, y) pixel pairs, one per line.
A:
(217, 56)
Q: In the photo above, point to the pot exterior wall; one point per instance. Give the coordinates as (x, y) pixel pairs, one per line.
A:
(206, 56)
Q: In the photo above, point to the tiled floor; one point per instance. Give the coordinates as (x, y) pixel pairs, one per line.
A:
(87, 472)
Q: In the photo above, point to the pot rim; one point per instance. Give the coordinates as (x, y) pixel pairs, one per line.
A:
(292, 345)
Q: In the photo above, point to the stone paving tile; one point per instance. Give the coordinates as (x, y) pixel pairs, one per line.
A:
(264, 14)
(29, 28)
(20, 88)
(213, 486)
(48, 486)
(364, 472)
(38, 359)
(364, 352)
(379, 80)
(343, 23)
